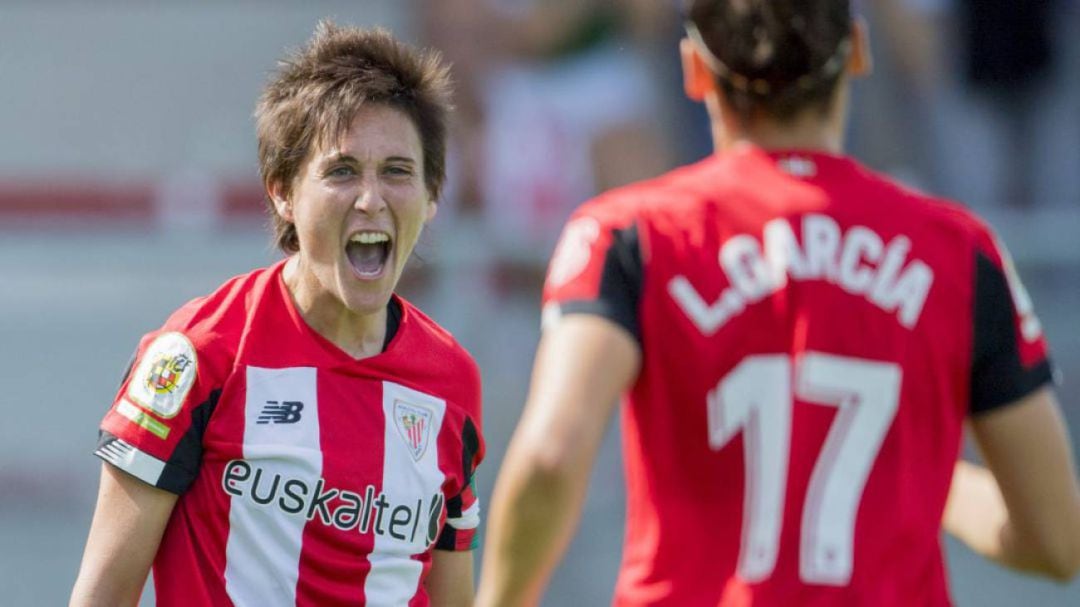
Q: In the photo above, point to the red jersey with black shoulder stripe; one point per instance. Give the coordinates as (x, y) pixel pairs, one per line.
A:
(813, 336)
(306, 477)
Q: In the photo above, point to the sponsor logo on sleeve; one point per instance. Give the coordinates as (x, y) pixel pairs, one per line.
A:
(574, 250)
(140, 418)
(414, 425)
(164, 376)
(1030, 327)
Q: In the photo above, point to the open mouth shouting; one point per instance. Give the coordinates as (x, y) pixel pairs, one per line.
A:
(369, 253)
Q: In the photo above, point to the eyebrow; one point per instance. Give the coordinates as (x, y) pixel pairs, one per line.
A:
(352, 159)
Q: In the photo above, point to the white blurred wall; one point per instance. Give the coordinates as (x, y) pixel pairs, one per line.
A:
(129, 89)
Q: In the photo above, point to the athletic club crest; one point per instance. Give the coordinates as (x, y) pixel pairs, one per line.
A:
(414, 425)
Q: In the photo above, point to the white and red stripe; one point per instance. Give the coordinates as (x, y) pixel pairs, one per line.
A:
(265, 543)
(395, 571)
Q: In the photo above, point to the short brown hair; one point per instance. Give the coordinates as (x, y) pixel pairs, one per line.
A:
(777, 57)
(318, 89)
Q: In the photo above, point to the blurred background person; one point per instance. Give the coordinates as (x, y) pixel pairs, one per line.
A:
(563, 103)
(114, 114)
(997, 75)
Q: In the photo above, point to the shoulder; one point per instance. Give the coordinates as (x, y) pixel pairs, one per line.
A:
(232, 300)
(924, 204)
(193, 351)
(614, 228)
(952, 221)
(444, 358)
(982, 236)
(213, 324)
(645, 200)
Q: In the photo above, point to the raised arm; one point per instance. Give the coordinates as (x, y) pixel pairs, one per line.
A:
(1023, 510)
(129, 520)
(583, 363)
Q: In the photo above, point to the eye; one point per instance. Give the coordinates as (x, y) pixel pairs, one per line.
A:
(398, 171)
(340, 171)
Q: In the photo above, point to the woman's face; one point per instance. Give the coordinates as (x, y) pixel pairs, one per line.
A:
(358, 208)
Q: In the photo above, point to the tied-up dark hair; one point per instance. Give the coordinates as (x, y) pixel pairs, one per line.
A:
(777, 57)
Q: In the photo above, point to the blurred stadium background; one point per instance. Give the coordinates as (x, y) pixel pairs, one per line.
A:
(128, 184)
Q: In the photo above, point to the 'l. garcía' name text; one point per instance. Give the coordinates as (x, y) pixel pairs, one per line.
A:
(856, 260)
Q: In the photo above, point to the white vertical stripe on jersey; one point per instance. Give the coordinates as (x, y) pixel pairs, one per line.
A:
(394, 575)
(263, 550)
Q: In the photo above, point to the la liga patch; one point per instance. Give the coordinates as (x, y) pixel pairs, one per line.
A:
(165, 375)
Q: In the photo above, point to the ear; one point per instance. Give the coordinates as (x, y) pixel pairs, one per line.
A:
(433, 207)
(860, 62)
(698, 79)
(280, 197)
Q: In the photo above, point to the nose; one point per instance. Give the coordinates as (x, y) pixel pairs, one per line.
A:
(369, 199)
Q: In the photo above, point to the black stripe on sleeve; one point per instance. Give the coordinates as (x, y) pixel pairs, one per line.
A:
(998, 377)
(183, 466)
(447, 539)
(454, 507)
(470, 444)
(620, 284)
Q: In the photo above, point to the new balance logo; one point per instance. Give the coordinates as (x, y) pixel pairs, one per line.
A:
(285, 412)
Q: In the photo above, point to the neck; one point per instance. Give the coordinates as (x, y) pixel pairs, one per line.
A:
(810, 130)
(359, 335)
(780, 137)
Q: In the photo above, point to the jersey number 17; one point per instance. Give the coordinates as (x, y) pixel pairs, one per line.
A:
(756, 398)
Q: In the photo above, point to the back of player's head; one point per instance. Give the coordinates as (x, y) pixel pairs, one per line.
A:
(777, 57)
(311, 100)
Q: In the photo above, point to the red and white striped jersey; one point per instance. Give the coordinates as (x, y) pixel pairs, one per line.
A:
(812, 338)
(305, 477)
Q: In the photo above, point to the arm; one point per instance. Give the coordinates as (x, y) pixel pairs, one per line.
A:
(129, 520)
(582, 365)
(450, 581)
(1024, 512)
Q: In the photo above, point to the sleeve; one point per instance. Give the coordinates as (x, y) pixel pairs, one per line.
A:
(154, 428)
(1010, 358)
(463, 510)
(596, 269)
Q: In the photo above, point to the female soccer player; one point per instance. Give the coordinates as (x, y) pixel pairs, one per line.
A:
(303, 435)
(800, 342)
